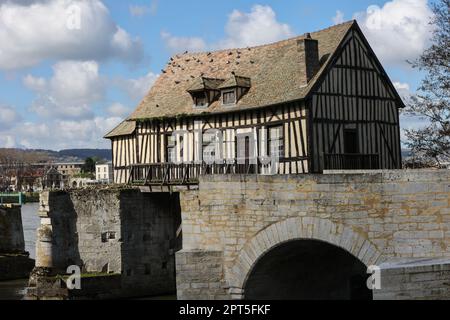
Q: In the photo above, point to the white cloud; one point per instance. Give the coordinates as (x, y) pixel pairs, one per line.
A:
(259, 26)
(339, 17)
(142, 10)
(57, 135)
(402, 88)
(138, 11)
(404, 91)
(28, 35)
(8, 116)
(399, 31)
(7, 141)
(76, 82)
(35, 83)
(137, 88)
(178, 44)
(69, 93)
(243, 29)
(118, 110)
(64, 103)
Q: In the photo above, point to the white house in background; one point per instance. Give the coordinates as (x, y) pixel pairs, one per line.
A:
(103, 173)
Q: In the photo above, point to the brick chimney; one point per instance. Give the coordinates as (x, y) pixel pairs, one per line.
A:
(309, 55)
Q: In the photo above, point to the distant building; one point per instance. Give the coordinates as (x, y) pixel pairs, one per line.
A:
(32, 179)
(53, 179)
(81, 182)
(69, 170)
(103, 173)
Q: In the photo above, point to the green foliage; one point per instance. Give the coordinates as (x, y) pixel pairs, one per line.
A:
(89, 165)
(432, 102)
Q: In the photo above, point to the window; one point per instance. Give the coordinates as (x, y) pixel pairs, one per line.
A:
(170, 148)
(200, 99)
(229, 97)
(211, 144)
(351, 145)
(229, 145)
(182, 148)
(276, 142)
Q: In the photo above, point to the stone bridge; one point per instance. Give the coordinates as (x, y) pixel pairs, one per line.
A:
(313, 236)
(255, 237)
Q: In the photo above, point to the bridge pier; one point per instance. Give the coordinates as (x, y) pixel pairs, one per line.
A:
(122, 240)
(14, 261)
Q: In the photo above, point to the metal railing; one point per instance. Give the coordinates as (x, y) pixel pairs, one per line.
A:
(8, 198)
(189, 173)
(351, 162)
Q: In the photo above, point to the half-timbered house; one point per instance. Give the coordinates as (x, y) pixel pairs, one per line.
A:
(321, 101)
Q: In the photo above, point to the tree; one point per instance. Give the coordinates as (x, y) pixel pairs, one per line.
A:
(89, 165)
(432, 100)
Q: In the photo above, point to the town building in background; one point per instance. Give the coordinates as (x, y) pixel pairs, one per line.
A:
(104, 173)
(53, 179)
(69, 170)
(81, 182)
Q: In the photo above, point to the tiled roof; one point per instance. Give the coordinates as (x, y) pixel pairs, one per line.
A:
(202, 83)
(123, 129)
(273, 69)
(236, 81)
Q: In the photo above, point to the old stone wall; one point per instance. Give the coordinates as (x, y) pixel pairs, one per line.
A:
(111, 231)
(423, 279)
(11, 230)
(377, 217)
(14, 261)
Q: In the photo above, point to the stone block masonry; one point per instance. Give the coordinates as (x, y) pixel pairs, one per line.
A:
(424, 279)
(14, 261)
(377, 217)
(125, 240)
(11, 230)
(108, 232)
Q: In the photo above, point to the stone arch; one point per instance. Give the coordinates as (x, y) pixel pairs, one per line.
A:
(308, 228)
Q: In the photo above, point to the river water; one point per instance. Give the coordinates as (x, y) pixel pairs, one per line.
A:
(14, 290)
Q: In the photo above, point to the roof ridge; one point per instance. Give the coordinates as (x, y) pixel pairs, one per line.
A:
(272, 68)
(184, 55)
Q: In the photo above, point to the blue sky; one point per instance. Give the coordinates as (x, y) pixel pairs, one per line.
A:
(64, 84)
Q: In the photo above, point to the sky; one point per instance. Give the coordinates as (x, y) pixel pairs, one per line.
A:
(71, 70)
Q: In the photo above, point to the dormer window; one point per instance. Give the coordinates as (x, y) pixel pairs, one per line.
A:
(200, 99)
(204, 91)
(234, 89)
(229, 97)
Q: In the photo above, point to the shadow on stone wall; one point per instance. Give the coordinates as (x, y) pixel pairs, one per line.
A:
(15, 263)
(149, 223)
(123, 240)
(66, 232)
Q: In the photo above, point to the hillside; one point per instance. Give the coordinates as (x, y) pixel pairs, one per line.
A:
(69, 155)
